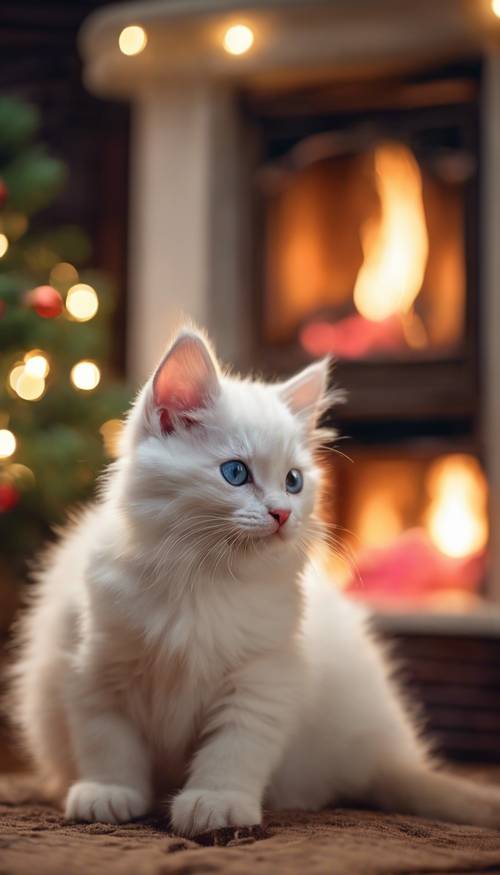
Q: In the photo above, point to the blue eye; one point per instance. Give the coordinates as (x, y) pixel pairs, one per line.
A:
(235, 472)
(294, 481)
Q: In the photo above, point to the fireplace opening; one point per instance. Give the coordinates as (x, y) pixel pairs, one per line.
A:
(365, 222)
(411, 532)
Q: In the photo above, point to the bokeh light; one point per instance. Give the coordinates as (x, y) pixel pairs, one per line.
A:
(16, 224)
(132, 40)
(111, 432)
(63, 273)
(21, 474)
(4, 245)
(27, 386)
(495, 5)
(85, 375)
(27, 378)
(36, 364)
(238, 39)
(82, 302)
(7, 443)
(14, 375)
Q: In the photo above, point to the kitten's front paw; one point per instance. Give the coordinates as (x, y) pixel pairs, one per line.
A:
(196, 811)
(108, 803)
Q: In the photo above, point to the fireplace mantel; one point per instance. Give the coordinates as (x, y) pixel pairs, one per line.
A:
(293, 39)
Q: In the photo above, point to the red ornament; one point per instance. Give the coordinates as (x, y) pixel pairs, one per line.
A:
(4, 192)
(9, 496)
(46, 301)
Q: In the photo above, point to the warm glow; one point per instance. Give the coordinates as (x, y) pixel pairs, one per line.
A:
(27, 386)
(238, 39)
(82, 302)
(4, 245)
(7, 443)
(495, 5)
(395, 243)
(63, 273)
(132, 40)
(380, 521)
(457, 518)
(111, 432)
(36, 364)
(85, 375)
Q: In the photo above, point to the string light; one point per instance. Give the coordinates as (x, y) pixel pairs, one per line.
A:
(85, 375)
(27, 386)
(36, 364)
(63, 273)
(4, 245)
(132, 40)
(111, 432)
(82, 302)
(14, 376)
(27, 379)
(238, 39)
(7, 443)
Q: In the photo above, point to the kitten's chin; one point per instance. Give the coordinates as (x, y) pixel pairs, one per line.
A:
(276, 539)
(260, 535)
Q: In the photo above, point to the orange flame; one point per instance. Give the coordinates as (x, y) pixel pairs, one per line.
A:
(395, 243)
(457, 518)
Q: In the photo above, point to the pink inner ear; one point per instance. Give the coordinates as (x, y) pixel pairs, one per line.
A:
(303, 392)
(185, 381)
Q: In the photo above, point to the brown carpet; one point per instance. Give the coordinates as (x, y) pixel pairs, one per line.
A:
(35, 840)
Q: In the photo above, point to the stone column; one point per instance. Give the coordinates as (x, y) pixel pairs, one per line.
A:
(184, 220)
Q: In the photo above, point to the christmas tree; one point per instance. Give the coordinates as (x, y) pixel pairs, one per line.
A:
(58, 403)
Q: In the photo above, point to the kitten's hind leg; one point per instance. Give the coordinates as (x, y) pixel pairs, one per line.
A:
(429, 792)
(37, 712)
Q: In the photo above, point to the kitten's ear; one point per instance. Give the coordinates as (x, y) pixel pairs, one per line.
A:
(305, 393)
(185, 380)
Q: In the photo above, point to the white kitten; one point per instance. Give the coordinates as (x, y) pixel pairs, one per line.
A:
(180, 636)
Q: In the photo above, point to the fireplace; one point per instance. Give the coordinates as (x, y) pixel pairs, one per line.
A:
(365, 249)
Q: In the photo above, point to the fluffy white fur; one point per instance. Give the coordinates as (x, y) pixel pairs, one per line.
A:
(178, 643)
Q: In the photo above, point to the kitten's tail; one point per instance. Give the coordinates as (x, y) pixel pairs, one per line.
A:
(428, 792)
(22, 788)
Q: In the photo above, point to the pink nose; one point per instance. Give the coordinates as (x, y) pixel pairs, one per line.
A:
(280, 515)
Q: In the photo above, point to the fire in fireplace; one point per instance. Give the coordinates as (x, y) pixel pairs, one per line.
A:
(415, 530)
(364, 251)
